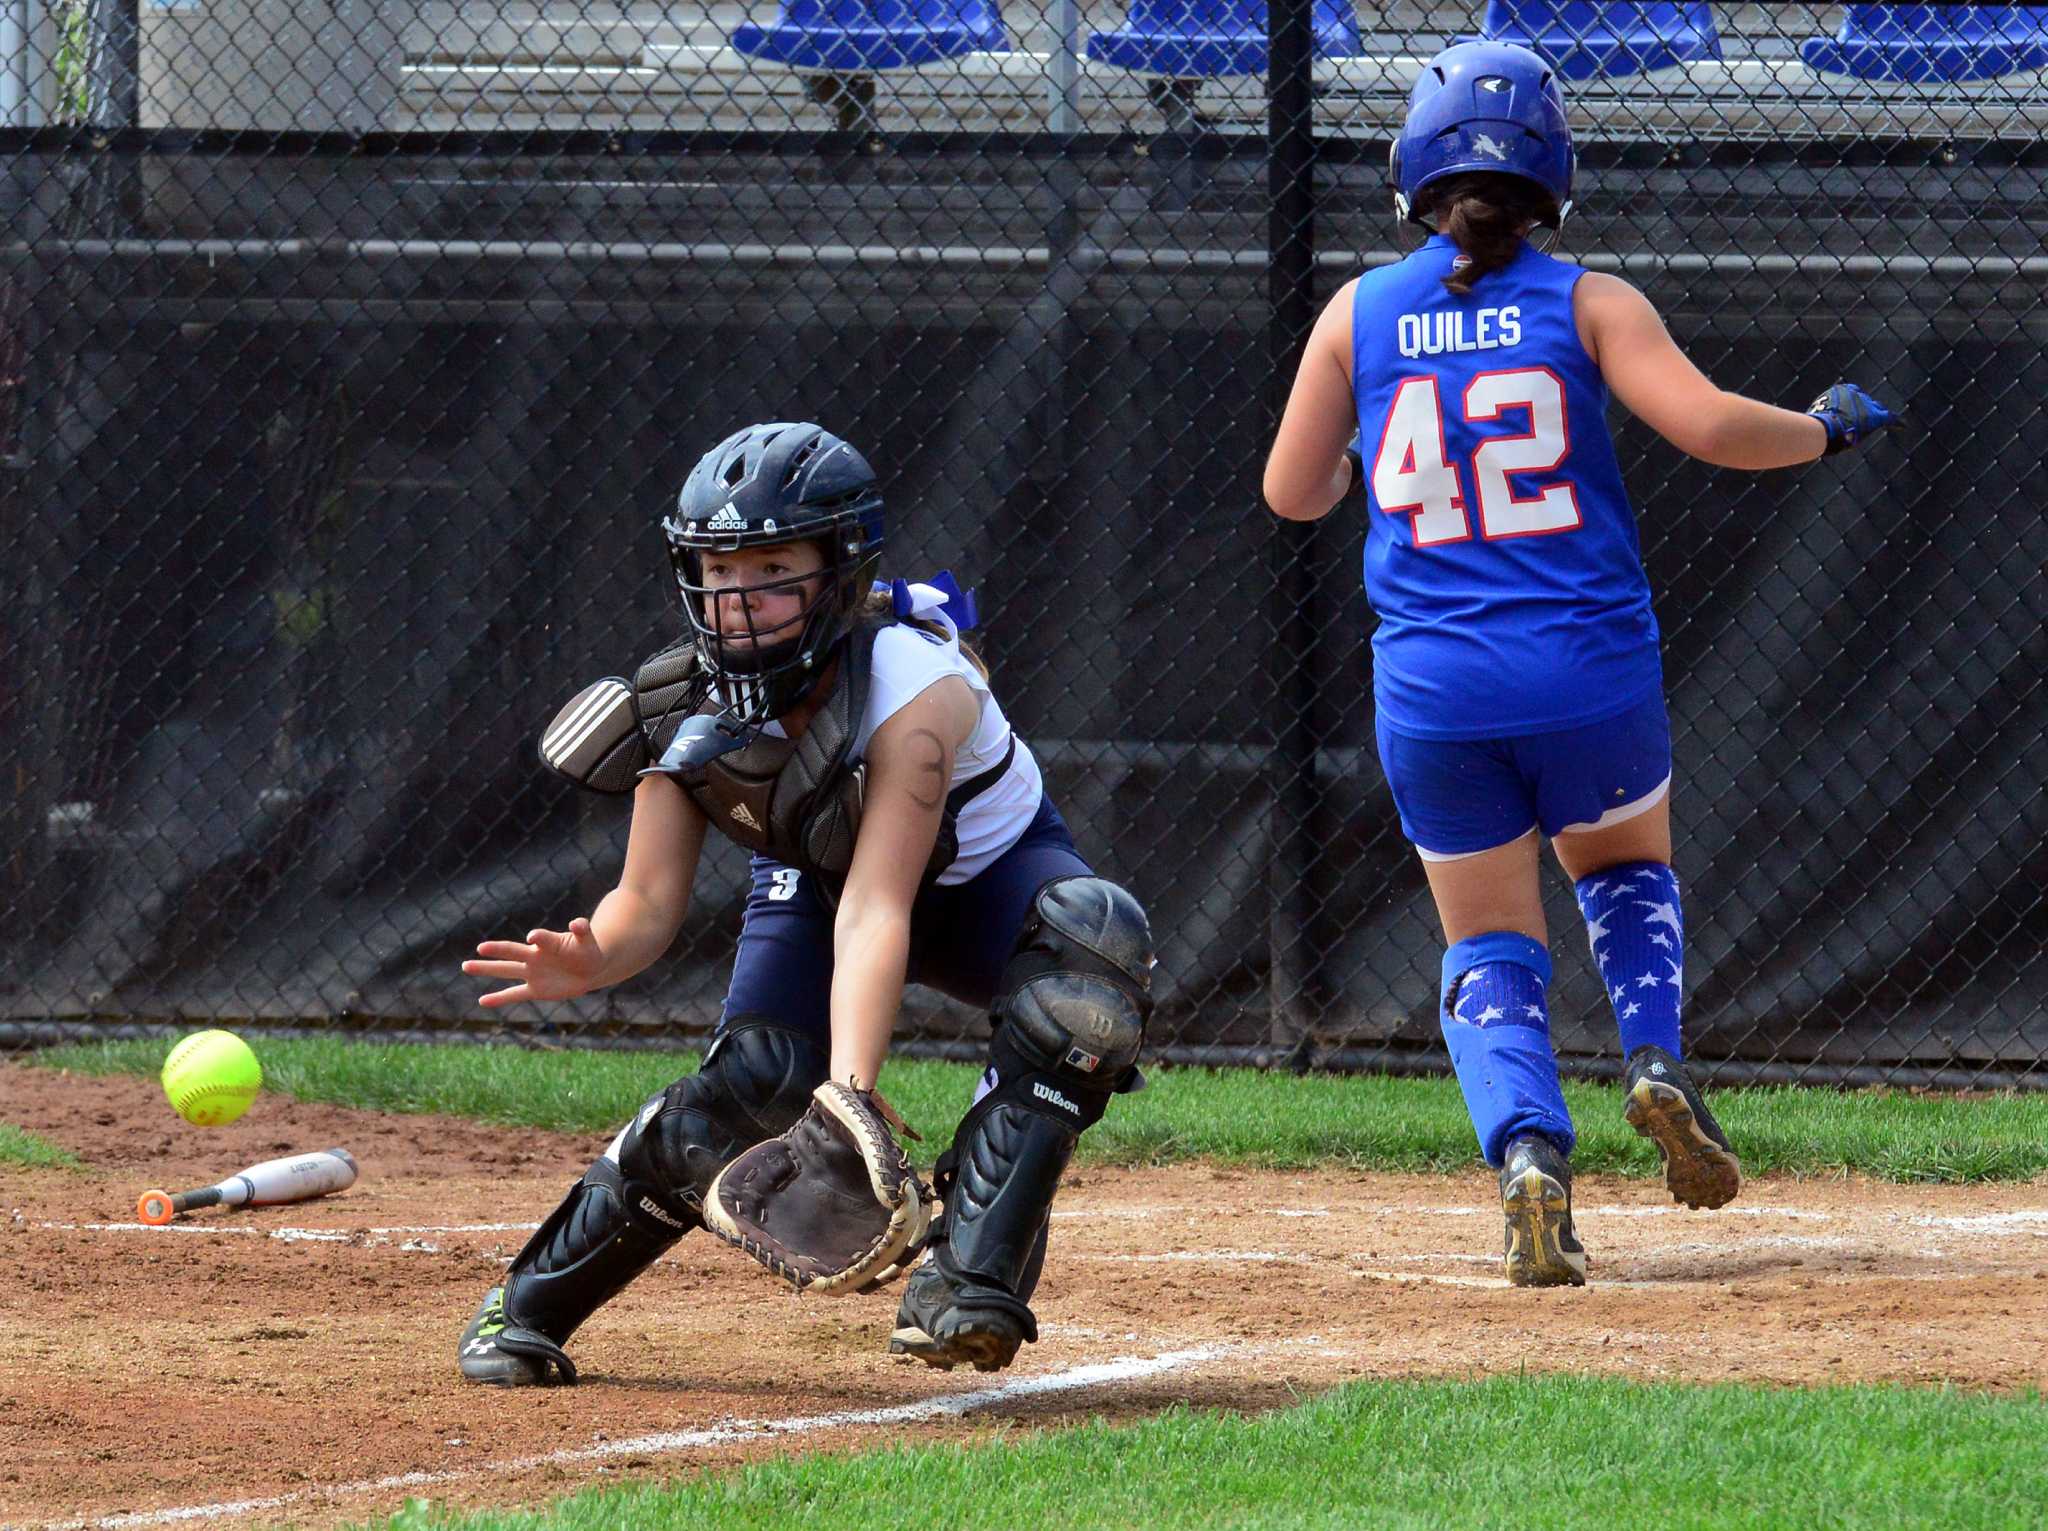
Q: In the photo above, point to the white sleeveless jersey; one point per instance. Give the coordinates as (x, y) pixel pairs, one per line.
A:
(908, 660)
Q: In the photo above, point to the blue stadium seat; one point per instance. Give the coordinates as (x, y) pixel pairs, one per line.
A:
(858, 36)
(1925, 44)
(1585, 38)
(1205, 39)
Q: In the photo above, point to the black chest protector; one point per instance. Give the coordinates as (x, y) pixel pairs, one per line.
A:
(797, 801)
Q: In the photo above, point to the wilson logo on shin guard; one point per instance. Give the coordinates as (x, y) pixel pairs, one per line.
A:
(647, 1205)
(1047, 1093)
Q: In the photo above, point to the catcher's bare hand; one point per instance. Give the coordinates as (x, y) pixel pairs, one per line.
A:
(548, 964)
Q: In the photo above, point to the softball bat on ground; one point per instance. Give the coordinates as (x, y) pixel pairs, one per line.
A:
(300, 1177)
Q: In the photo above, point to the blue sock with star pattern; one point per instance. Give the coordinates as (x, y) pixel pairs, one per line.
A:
(1496, 1023)
(1638, 938)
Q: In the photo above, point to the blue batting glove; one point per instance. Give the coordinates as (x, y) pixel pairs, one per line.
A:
(1849, 414)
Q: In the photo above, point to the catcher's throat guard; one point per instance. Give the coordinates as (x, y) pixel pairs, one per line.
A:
(702, 739)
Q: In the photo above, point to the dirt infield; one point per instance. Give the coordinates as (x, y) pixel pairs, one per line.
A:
(297, 1363)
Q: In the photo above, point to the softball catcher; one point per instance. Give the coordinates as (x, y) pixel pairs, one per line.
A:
(841, 731)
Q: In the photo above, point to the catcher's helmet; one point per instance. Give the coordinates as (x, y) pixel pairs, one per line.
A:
(765, 485)
(1484, 106)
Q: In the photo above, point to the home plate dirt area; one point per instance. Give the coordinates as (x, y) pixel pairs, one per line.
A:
(297, 1364)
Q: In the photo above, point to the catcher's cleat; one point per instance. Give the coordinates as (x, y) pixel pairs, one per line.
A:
(1700, 1168)
(943, 1323)
(1536, 1199)
(509, 1355)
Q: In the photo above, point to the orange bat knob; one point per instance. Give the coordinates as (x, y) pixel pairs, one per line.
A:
(156, 1208)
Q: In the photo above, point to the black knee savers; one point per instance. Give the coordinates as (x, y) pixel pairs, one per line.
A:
(1070, 1015)
(756, 1081)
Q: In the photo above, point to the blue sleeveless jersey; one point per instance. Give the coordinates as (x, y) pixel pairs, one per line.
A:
(1501, 556)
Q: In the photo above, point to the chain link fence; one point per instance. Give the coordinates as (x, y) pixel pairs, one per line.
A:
(350, 351)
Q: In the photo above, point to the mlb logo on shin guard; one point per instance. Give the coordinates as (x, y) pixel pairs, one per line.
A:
(1086, 1062)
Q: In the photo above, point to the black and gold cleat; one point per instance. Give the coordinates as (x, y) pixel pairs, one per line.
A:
(503, 1354)
(1663, 1105)
(943, 1323)
(1542, 1248)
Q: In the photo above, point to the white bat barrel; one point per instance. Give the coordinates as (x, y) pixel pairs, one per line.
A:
(297, 1178)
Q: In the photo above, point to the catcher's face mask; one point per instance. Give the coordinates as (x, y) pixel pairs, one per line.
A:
(762, 615)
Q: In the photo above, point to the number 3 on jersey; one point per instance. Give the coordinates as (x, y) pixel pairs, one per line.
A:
(1412, 473)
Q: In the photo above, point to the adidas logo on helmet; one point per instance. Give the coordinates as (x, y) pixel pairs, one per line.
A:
(726, 519)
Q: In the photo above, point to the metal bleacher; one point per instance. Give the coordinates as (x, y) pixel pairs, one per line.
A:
(633, 65)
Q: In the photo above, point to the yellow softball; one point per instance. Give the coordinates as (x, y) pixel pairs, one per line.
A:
(210, 1078)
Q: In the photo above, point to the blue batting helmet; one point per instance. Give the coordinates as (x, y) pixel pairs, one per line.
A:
(1484, 106)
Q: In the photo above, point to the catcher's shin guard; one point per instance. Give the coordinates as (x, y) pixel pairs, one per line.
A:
(971, 1300)
(1070, 1020)
(640, 1198)
(578, 1260)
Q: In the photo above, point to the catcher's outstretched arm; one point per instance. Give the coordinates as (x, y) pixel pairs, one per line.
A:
(631, 926)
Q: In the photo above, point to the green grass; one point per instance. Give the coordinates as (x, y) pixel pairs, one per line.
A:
(1237, 1116)
(18, 1146)
(1508, 1452)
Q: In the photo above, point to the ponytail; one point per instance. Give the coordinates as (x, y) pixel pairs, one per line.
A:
(878, 607)
(1484, 213)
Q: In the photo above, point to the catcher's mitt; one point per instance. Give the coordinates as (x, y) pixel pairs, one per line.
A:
(832, 1205)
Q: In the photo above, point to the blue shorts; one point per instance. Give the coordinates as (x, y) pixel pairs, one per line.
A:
(961, 936)
(1458, 797)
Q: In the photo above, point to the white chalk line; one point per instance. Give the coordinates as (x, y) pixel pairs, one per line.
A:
(1432, 1256)
(1123, 1369)
(1871, 1248)
(303, 1233)
(2026, 1223)
(362, 1238)
(408, 1237)
(1417, 1278)
(1797, 1214)
(2023, 1221)
(1198, 1256)
(1991, 1222)
(1140, 1212)
(1500, 1283)
(1477, 1209)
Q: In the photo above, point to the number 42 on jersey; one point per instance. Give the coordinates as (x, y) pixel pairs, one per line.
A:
(1412, 473)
